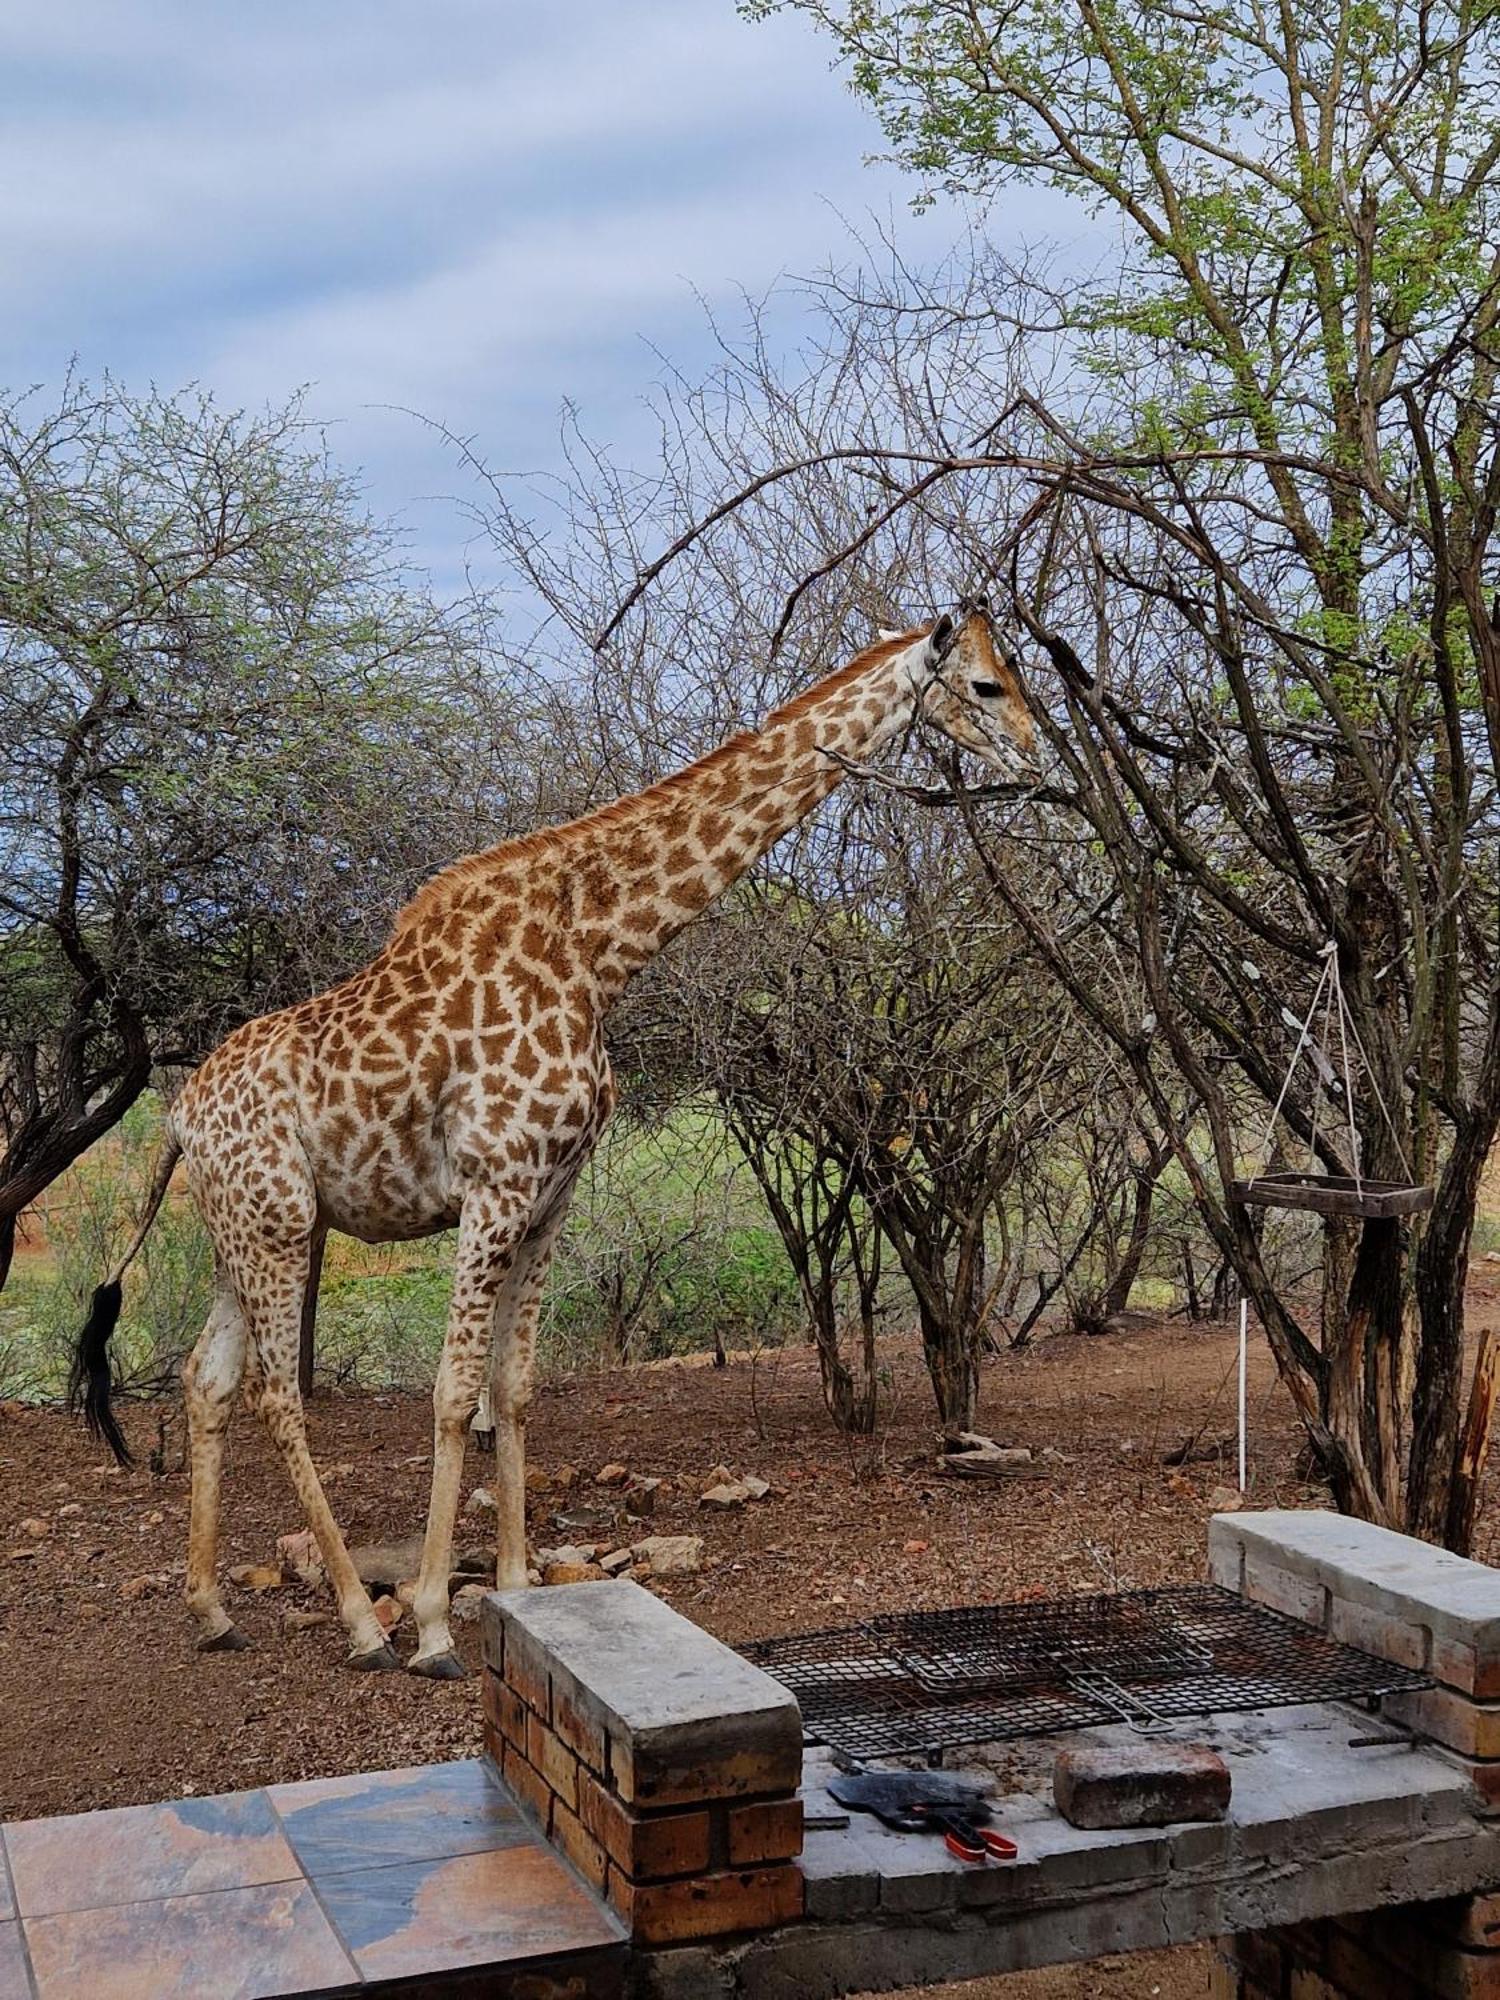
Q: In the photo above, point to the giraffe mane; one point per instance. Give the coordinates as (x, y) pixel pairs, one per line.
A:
(552, 839)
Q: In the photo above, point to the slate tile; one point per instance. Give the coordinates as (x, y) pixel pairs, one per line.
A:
(14, 1983)
(237, 1944)
(379, 1818)
(492, 1908)
(135, 1854)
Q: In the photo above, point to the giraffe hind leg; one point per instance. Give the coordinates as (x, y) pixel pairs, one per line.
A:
(271, 1282)
(210, 1380)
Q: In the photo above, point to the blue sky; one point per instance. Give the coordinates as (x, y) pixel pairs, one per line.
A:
(470, 208)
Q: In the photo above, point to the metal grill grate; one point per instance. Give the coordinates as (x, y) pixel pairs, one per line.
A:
(919, 1681)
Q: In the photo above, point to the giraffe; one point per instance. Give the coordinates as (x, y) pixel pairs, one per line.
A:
(460, 1080)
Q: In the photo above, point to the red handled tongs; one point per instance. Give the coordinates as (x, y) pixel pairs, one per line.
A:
(963, 1838)
(928, 1802)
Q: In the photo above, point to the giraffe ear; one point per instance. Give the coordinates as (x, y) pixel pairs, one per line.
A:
(940, 639)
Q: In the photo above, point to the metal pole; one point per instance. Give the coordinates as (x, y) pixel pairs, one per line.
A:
(1244, 1346)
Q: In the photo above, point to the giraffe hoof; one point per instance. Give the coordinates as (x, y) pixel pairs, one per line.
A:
(440, 1667)
(230, 1640)
(382, 1660)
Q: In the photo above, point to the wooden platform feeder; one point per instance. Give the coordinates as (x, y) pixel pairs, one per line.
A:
(1333, 1194)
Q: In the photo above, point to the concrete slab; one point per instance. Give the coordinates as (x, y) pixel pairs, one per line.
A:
(1315, 1827)
(1374, 1567)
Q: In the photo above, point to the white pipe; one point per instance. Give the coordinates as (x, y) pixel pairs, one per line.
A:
(1244, 1345)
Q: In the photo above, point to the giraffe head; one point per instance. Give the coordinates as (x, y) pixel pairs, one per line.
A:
(969, 686)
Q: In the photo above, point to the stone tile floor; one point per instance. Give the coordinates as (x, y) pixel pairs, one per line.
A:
(425, 1882)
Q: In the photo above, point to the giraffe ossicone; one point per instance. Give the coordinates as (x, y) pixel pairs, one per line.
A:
(460, 1080)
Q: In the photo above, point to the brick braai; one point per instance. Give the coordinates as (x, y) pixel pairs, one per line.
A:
(660, 1763)
(1420, 1607)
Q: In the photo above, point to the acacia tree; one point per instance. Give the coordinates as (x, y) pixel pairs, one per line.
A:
(1295, 358)
(232, 736)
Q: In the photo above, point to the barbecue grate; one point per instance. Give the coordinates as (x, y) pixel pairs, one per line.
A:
(920, 1681)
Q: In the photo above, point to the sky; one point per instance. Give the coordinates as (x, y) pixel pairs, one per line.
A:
(471, 209)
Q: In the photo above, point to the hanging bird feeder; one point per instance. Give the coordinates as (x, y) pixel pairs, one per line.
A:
(1331, 1194)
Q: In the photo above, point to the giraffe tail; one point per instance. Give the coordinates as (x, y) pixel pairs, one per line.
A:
(91, 1379)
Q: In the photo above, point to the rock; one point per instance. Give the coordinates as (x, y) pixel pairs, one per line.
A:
(559, 1572)
(640, 1497)
(533, 1577)
(467, 1603)
(24, 1555)
(473, 1562)
(389, 1611)
(729, 1493)
(756, 1487)
(1140, 1784)
(611, 1475)
(302, 1555)
(616, 1561)
(304, 1621)
(35, 1525)
(482, 1501)
(138, 1587)
(566, 1477)
(538, 1480)
(256, 1576)
(381, 1565)
(720, 1476)
(671, 1555)
(1225, 1500)
(572, 1553)
(916, 1548)
(406, 1591)
(595, 1524)
(71, 1512)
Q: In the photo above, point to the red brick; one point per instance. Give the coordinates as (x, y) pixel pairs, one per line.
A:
(646, 1847)
(585, 1853)
(1387, 1637)
(1473, 1921)
(552, 1757)
(716, 1905)
(1297, 1597)
(1458, 1666)
(1470, 1727)
(1305, 1984)
(1358, 1974)
(582, 1734)
(768, 1830)
(1259, 1953)
(530, 1787)
(1140, 1784)
(506, 1710)
(529, 1679)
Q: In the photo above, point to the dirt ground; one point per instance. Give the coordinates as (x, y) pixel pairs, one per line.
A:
(106, 1703)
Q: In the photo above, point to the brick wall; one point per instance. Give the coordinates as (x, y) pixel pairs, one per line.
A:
(661, 1764)
(1400, 1599)
(1419, 1607)
(1422, 1951)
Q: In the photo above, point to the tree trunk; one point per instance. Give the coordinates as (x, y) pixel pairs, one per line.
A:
(1117, 1293)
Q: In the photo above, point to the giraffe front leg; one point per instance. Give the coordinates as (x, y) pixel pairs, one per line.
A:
(510, 1397)
(490, 1225)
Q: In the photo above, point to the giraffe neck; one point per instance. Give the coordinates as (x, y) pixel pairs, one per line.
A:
(668, 852)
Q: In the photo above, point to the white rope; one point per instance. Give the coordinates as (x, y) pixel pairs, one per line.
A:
(1244, 1351)
(1264, 1148)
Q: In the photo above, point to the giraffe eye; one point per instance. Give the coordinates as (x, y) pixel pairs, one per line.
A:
(987, 690)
